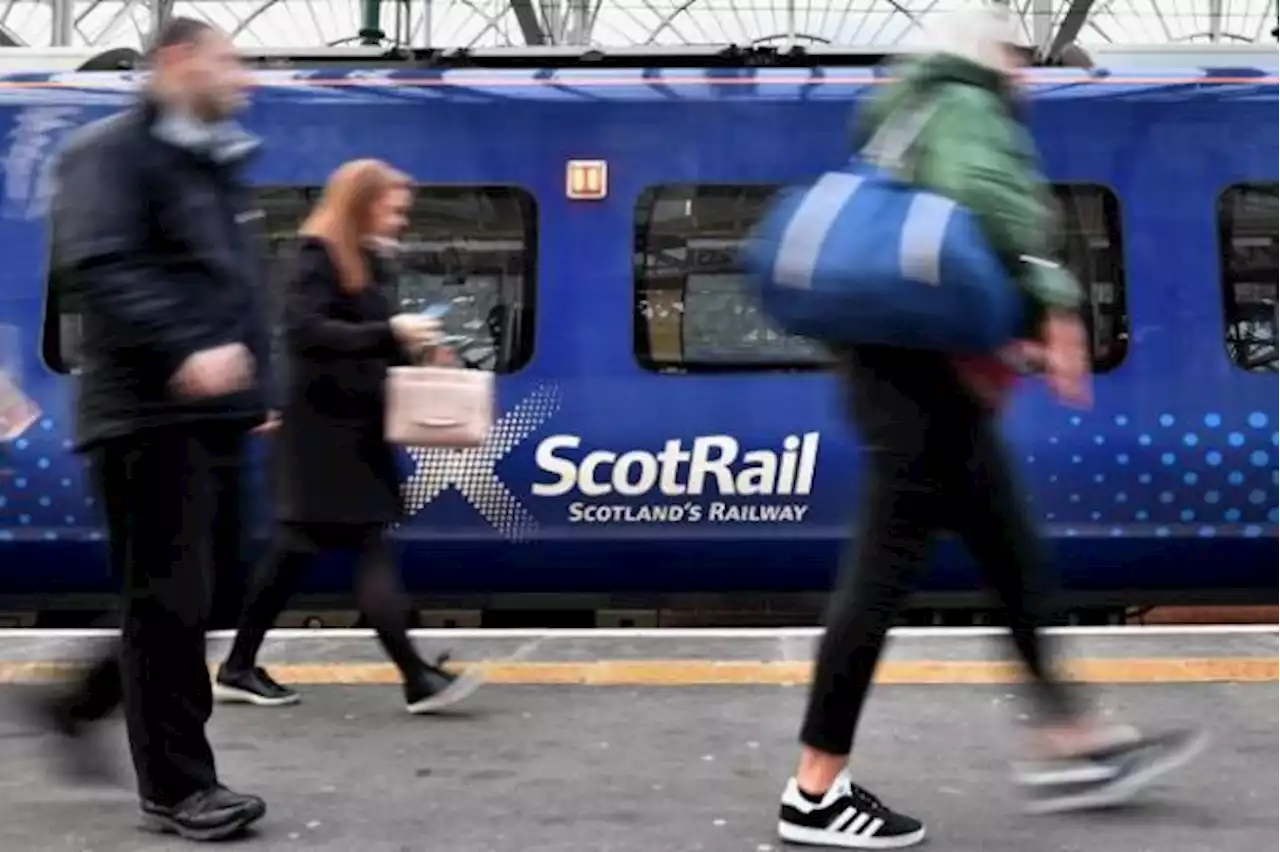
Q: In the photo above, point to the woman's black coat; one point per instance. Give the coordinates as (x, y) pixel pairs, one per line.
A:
(332, 464)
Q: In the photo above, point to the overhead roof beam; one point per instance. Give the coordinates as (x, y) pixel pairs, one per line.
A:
(161, 13)
(1069, 30)
(1041, 12)
(527, 18)
(62, 23)
(1215, 21)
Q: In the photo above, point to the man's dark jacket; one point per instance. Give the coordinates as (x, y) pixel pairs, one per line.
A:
(153, 244)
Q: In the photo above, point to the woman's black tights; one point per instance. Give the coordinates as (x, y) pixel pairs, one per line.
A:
(378, 591)
(935, 462)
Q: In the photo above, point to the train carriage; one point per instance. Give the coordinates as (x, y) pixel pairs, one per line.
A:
(656, 436)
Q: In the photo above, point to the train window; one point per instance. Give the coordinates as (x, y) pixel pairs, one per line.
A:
(693, 314)
(60, 324)
(1091, 249)
(474, 247)
(1247, 226)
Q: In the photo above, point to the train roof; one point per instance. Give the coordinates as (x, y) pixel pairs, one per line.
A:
(650, 84)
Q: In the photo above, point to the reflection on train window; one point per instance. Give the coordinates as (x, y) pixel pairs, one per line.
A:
(1247, 225)
(1092, 250)
(61, 329)
(693, 314)
(474, 247)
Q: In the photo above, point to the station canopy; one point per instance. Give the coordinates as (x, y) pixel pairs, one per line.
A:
(308, 24)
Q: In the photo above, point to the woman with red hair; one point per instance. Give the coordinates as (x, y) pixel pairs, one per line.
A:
(338, 487)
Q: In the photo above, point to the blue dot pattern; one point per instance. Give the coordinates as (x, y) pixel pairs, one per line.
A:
(46, 493)
(38, 497)
(1218, 473)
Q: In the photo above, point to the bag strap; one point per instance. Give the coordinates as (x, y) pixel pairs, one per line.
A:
(897, 134)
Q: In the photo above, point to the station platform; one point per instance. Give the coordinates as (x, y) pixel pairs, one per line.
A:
(669, 741)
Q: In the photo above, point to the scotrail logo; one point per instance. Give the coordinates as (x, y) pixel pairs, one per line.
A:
(473, 471)
(706, 479)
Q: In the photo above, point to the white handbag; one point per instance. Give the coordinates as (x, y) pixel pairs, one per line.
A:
(438, 406)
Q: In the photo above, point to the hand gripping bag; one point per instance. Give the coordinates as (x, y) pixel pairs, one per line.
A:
(862, 256)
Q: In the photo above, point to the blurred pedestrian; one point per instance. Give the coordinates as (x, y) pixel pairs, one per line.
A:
(338, 487)
(151, 241)
(936, 461)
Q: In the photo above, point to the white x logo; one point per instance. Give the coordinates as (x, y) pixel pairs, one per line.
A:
(473, 473)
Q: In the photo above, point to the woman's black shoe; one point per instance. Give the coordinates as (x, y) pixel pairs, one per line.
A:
(434, 689)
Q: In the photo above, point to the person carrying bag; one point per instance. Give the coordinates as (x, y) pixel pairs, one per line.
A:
(952, 276)
(337, 484)
(939, 234)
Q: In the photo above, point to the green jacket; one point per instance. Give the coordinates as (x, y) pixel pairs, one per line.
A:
(974, 150)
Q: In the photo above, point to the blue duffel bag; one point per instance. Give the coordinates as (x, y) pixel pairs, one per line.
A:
(863, 257)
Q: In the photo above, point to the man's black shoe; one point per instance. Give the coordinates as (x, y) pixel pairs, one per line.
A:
(209, 815)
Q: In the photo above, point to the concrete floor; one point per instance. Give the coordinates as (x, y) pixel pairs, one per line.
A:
(657, 769)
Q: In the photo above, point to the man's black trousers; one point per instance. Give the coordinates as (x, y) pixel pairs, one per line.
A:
(172, 503)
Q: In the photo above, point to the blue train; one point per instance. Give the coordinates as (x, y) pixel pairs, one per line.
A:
(656, 435)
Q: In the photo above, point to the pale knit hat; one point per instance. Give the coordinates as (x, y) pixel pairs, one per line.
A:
(979, 32)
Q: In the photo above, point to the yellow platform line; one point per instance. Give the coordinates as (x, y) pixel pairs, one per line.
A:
(747, 672)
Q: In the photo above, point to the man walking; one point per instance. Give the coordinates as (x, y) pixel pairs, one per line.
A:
(150, 244)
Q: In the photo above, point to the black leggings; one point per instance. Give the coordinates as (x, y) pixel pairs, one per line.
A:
(381, 599)
(935, 462)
